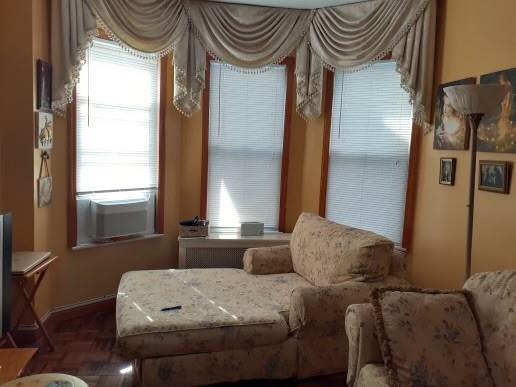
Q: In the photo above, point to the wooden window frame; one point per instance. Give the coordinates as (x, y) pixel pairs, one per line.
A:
(290, 67)
(410, 194)
(72, 171)
(159, 219)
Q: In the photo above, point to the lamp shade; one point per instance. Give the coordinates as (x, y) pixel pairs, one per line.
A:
(476, 99)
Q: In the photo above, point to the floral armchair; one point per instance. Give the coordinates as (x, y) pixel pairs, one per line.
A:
(492, 297)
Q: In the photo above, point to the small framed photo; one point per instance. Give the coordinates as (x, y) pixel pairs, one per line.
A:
(447, 170)
(44, 130)
(44, 79)
(495, 176)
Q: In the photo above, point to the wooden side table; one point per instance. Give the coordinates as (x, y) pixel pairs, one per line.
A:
(25, 267)
(13, 361)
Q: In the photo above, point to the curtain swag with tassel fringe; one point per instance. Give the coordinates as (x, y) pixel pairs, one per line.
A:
(348, 38)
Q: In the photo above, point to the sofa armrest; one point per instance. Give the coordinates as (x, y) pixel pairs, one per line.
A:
(363, 342)
(319, 311)
(398, 265)
(268, 260)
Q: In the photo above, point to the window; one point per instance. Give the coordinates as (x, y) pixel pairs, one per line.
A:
(117, 133)
(246, 132)
(369, 145)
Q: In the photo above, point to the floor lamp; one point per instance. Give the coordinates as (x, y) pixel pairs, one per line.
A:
(474, 101)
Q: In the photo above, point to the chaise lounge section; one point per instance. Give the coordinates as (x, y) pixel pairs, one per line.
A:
(281, 317)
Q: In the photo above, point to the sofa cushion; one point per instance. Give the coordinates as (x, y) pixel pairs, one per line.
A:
(494, 299)
(429, 339)
(321, 310)
(326, 253)
(268, 260)
(277, 361)
(221, 309)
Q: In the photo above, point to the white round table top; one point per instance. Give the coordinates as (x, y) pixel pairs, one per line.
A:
(46, 380)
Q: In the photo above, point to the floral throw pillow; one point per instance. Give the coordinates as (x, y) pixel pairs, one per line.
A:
(429, 338)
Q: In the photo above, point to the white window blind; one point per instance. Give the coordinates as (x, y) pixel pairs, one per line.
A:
(369, 150)
(247, 113)
(117, 121)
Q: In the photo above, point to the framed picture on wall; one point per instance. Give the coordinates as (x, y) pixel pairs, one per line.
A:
(44, 130)
(497, 132)
(44, 91)
(447, 171)
(495, 176)
(451, 128)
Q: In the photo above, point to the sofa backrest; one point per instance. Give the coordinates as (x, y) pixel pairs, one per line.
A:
(494, 299)
(325, 252)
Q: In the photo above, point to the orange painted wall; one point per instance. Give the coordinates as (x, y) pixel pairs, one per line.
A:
(84, 274)
(77, 275)
(474, 37)
(312, 161)
(16, 124)
(43, 217)
(190, 179)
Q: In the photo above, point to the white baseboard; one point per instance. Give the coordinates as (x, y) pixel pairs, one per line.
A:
(63, 308)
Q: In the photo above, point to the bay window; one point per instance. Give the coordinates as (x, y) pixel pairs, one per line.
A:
(246, 135)
(116, 138)
(369, 151)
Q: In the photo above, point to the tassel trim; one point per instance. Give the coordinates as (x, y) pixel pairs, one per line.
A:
(59, 106)
(249, 70)
(419, 113)
(183, 95)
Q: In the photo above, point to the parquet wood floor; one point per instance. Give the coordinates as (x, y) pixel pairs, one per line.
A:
(85, 347)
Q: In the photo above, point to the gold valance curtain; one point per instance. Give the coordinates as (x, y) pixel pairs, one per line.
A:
(346, 37)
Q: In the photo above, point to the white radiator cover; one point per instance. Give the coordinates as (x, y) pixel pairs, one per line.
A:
(223, 250)
(201, 258)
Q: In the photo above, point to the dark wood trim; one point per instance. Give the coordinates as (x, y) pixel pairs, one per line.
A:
(410, 197)
(34, 337)
(160, 205)
(328, 105)
(79, 311)
(287, 129)
(72, 172)
(205, 140)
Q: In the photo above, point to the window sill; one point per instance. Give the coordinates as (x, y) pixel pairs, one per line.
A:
(95, 245)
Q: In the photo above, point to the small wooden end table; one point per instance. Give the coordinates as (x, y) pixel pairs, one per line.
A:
(25, 267)
(13, 361)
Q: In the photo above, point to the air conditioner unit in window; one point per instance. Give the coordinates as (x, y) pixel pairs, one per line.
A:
(118, 218)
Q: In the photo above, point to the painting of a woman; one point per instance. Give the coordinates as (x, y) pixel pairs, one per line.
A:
(451, 128)
(497, 132)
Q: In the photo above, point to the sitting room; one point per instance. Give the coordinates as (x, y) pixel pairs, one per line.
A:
(257, 193)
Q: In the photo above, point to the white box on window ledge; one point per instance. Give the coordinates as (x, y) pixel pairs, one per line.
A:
(251, 228)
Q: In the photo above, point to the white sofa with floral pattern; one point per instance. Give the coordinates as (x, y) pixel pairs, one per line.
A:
(281, 317)
(493, 296)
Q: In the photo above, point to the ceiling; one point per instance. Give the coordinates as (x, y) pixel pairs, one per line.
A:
(304, 4)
